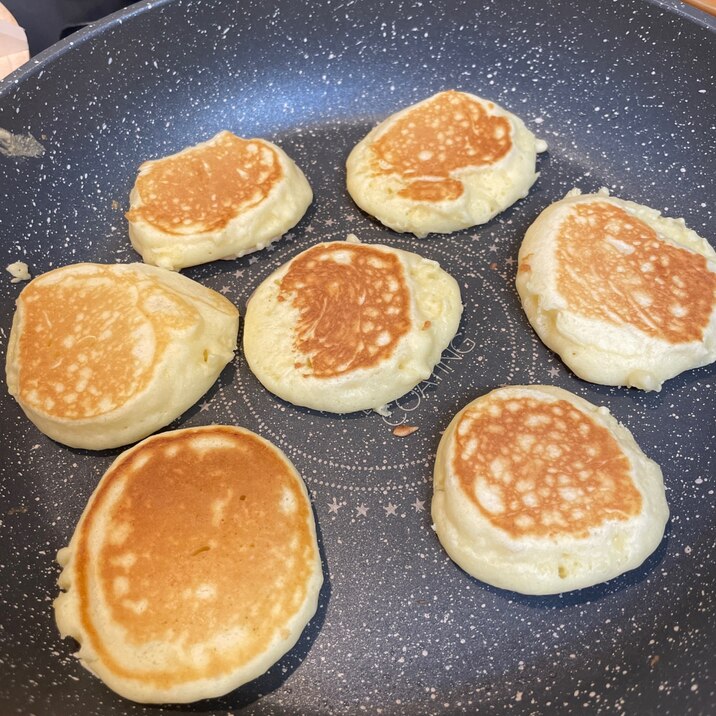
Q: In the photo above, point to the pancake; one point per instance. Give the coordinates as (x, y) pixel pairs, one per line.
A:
(449, 162)
(346, 326)
(103, 355)
(219, 199)
(622, 294)
(193, 568)
(540, 492)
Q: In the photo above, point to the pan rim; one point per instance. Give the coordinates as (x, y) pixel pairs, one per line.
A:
(38, 62)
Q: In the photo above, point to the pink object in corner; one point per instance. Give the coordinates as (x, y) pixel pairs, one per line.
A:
(13, 43)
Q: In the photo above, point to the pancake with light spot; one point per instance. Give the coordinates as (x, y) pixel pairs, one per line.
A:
(538, 491)
(346, 326)
(220, 199)
(622, 294)
(193, 568)
(103, 355)
(449, 162)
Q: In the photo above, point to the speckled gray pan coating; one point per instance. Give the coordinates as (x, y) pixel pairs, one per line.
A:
(623, 94)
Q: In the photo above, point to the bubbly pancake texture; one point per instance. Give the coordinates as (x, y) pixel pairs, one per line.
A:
(449, 162)
(102, 355)
(219, 199)
(193, 568)
(540, 492)
(354, 306)
(347, 326)
(624, 295)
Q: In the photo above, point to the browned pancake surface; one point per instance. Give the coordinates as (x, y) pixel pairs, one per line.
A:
(542, 469)
(354, 307)
(449, 132)
(90, 342)
(202, 543)
(613, 267)
(206, 186)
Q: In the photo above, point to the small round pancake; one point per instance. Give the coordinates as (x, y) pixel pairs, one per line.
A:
(220, 199)
(103, 355)
(449, 162)
(346, 326)
(540, 492)
(622, 294)
(193, 568)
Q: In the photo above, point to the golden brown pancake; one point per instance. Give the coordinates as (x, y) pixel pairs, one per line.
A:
(612, 266)
(346, 326)
(538, 491)
(446, 163)
(354, 306)
(102, 355)
(194, 566)
(451, 132)
(563, 475)
(207, 186)
(625, 296)
(219, 199)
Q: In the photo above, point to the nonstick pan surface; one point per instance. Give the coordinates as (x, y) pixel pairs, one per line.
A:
(623, 94)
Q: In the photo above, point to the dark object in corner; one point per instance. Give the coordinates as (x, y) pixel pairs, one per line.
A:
(47, 21)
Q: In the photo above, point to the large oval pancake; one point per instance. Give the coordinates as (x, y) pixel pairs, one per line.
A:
(538, 491)
(193, 568)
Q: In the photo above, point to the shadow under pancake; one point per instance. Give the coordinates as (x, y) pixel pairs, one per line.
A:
(426, 386)
(185, 420)
(208, 407)
(672, 389)
(280, 672)
(221, 270)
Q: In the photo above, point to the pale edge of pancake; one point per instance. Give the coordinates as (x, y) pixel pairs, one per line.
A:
(66, 610)
(532, 566)
(191, 365)
(251, 230)
(595, 351)
(269, 334)
(487, 190)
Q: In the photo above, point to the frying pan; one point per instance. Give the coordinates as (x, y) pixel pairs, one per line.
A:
(622, 93)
